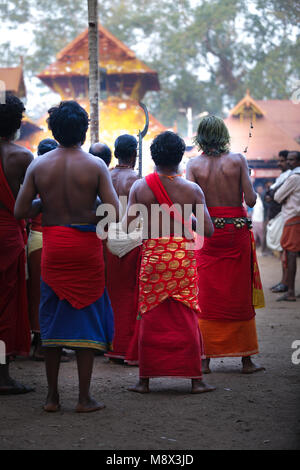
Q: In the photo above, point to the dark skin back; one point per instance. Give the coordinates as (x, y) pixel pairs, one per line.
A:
(123, 179)
(224, 179)
(15, 161)
(180, 192)
(68, 181)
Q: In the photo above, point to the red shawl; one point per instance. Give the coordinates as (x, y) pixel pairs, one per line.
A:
(14, 322)
(156, 186)
(15, 237)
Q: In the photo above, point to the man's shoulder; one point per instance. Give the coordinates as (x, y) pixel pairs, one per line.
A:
(194, 161)
(191, 186)
(235, 157)
(17, 156)
(20, 152)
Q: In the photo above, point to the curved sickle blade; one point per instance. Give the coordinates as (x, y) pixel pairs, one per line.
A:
(142, 135)
(145, 130)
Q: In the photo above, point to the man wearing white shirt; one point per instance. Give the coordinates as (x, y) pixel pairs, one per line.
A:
(289, 196)
(275, 227)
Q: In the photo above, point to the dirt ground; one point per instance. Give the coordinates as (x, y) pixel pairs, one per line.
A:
(260, 411)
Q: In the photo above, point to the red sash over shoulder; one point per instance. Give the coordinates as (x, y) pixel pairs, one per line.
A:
(73, 265)
(14, 238)
(156, 186)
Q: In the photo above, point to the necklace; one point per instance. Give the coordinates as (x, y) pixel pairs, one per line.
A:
(170, 177)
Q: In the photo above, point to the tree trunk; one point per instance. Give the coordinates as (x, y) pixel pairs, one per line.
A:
(94, 88)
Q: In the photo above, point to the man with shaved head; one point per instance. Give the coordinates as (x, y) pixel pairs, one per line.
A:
(102, 151)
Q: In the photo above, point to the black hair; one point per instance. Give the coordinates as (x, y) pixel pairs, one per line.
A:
(104, 153)
(283, 153)
(167, 149)
(69, 123)
(46, 145)
(125, 147)
(11, 114)
(297, 154)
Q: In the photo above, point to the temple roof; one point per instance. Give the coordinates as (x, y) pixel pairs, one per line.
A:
(114, 56)
(284, 113)
(14, 80)
(246, 104)
(274, 127)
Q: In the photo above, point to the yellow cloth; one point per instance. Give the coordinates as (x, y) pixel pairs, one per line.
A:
(35, 241)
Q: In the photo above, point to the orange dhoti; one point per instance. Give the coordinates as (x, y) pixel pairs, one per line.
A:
(170, 342)
(229, 288)
(290, 239)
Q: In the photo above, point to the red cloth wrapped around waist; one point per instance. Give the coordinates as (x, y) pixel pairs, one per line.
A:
(36, 223)
(227, 211)
(13, 235)
(73, 265)
(229, 281)
(11, 239)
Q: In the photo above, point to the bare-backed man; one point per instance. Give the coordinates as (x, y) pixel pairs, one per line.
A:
(122, 271)
(74, 310)
(225, 268)
(14, 322)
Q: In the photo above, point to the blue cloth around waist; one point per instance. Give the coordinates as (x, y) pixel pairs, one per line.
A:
(65, 326)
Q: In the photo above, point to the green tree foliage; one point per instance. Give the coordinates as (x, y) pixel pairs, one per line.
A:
(207, 52)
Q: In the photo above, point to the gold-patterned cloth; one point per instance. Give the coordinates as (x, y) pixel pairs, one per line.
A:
(168, 269)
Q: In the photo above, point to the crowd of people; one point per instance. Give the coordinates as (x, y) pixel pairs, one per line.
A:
(276, 221)
(165, 300)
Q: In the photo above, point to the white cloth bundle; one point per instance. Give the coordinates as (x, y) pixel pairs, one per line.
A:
(119, 242)
(274, 232)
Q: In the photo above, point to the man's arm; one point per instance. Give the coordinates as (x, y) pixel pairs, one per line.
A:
(127, 219)
(247, 186)
(207, 229)
(286, 189)
(26, 206)
(106, 190)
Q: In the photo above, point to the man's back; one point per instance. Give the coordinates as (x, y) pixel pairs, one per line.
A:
(68, 181)
(223, 179)
(181, 193)
(14, 160)
(123, 179)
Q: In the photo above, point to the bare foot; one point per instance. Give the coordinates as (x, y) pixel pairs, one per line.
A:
(198, 386)
(205, 366)
(88, 406)
(52, 403)
(249, 367)
(141, 387)
(286, 298)
(12, 387)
